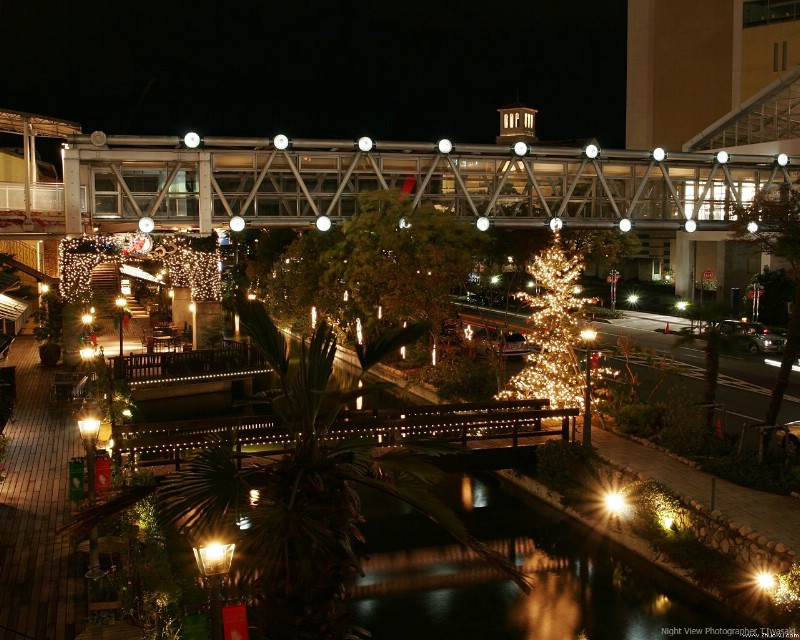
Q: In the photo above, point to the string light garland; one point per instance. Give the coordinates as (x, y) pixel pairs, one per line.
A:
(552, 372)
(191, 262)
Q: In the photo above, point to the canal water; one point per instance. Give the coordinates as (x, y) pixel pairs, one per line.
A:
(419, 585)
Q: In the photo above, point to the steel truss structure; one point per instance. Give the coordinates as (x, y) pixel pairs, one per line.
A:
(275, 182)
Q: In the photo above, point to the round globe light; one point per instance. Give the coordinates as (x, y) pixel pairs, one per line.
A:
(556, 224)
(146, 224)
(323, 223)
(482, 223)
(782, 159)
(280, 142)
(444, 146)
(625, 225)
(722, 156)
(365, 144)
(659, 154)
(520, 148)
(236, 223)
(591, 151)
(191, 140)
(752, 226)
(690, 226)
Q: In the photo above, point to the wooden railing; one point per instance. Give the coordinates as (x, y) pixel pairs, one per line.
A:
(185, 365)
(170, 442)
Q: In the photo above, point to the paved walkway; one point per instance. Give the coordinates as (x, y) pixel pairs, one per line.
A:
(42, 586)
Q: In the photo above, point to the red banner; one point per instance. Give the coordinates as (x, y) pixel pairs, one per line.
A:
(102, 475)
(234, 621)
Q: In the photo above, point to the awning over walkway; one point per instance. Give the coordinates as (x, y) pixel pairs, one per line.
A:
(13, 314)
(136, 272)
(768, 116)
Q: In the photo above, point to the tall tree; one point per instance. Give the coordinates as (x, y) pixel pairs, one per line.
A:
(552, 371)
(772, 220)
(406, 261)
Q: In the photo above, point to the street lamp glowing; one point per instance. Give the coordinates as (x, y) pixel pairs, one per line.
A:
(87, 318)
(588, 335)
(766, 580)
(214, 559)
(87, 352)
(633, 298)
(323, 223)
(495, 279)
(88, 419)
(444, 146)
(280, 142)
(682, 305)
(615, 503)
(146, 224)
(482, 223)
(365, 144)
(191, 140)
(236, 223)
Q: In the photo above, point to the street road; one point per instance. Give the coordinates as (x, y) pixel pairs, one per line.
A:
(745, 381)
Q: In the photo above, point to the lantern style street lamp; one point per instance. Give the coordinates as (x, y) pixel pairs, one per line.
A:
(214, 560)
(88, 419)
(121, 304)
(588, 335)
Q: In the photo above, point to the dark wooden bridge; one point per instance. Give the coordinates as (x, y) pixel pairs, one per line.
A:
(501, 434)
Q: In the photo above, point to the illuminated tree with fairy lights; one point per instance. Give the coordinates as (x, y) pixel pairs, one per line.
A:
(552, 371)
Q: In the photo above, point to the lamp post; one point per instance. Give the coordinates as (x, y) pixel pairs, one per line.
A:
(214, 560)
(121, 304)
(88, 419)
(588, 335)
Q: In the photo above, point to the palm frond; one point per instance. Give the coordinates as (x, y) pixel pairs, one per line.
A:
(265, 335)
(389, 342)
(206, 495)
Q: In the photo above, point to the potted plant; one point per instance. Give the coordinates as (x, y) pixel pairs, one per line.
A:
(48, 328)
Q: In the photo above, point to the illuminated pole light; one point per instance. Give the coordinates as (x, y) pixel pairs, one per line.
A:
(690, 226)
(444, 146)
(346, 295)
(192, 307)
(403, 352)
(121, 304)
(313, 317)
(359, 333)
(171, 293)
(380, 312)
(146, 224)
(236, 223)
(482, 223)
(191, 140)
(659, 154)
(782, 159)
(588, 335)
(633, 299)
(365, 144)
(556, 224)
(433, 355)
(323, 223)
(625, 225)
(591, 151)
(722, 157)
(520, 148)
(360, 399)
(280, 142)
(752, 226)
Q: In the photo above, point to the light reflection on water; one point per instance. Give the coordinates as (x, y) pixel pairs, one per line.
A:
(581, 589)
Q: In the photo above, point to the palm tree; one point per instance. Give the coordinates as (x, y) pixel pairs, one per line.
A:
(303, 508)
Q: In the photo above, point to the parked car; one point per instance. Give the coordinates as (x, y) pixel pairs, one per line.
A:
(508, 344)
(756, 337)
(788, 437)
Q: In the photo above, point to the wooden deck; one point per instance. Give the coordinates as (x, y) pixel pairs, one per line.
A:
(42, 584)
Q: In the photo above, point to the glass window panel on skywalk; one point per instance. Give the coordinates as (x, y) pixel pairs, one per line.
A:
(312, 163)
(106, 204)
(105, 182)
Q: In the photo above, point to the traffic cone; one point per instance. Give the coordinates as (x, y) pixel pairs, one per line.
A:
(666, 330)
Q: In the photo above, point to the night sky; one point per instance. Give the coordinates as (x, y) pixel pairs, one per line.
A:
(412, 70)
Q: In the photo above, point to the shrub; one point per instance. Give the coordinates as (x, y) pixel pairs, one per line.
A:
(777, 473)
(565, 467)
(471, 381)
(642, 420)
